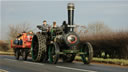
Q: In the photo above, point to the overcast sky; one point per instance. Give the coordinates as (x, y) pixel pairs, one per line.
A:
(114, 13)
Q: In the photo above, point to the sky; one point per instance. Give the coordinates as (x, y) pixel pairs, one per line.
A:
(114, 13)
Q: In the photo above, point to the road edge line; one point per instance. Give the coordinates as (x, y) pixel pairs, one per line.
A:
(74, 69)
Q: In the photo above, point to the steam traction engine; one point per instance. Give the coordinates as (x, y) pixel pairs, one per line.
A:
(22, 45)
(61, 43)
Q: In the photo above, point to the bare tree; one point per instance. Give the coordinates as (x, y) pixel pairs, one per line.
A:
(98, 27)
(80, 29)
(14, 30)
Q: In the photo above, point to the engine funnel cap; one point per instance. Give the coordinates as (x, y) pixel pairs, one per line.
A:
(71, 6)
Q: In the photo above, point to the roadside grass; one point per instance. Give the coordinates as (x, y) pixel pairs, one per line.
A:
(6, 53)
(121, 62)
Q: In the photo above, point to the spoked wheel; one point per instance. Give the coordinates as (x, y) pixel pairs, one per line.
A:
(88, 50)
(17, 54)
(39, 48)
(53, 55)
(25, 54)
(68, 57)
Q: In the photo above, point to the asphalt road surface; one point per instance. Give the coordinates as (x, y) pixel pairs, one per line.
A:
(10, 64)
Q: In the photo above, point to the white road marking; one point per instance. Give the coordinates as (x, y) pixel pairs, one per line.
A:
(33, 63)
(75, 69)
(10, 59)
(2, 70)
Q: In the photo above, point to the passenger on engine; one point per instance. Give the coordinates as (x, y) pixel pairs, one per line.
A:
(44, 27)
(54, 24)
(54, 29)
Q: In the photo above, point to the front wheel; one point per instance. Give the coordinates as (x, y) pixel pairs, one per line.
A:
(88, 50)
(53, 53)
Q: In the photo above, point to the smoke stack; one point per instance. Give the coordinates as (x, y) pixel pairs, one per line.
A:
(71, 8)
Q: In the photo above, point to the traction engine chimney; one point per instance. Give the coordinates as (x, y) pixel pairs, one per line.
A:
(70, 8)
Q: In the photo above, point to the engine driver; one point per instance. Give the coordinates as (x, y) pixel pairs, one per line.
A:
(45, 27)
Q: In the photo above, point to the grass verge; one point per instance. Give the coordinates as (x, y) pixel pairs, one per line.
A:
(6, 53)
(121, 62)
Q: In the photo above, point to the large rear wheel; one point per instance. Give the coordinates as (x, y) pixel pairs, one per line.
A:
(88, 50)
(39, 48)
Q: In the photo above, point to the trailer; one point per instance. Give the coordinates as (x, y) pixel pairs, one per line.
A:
(22, 45)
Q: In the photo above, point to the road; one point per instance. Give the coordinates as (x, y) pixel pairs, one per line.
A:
(10, 64)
